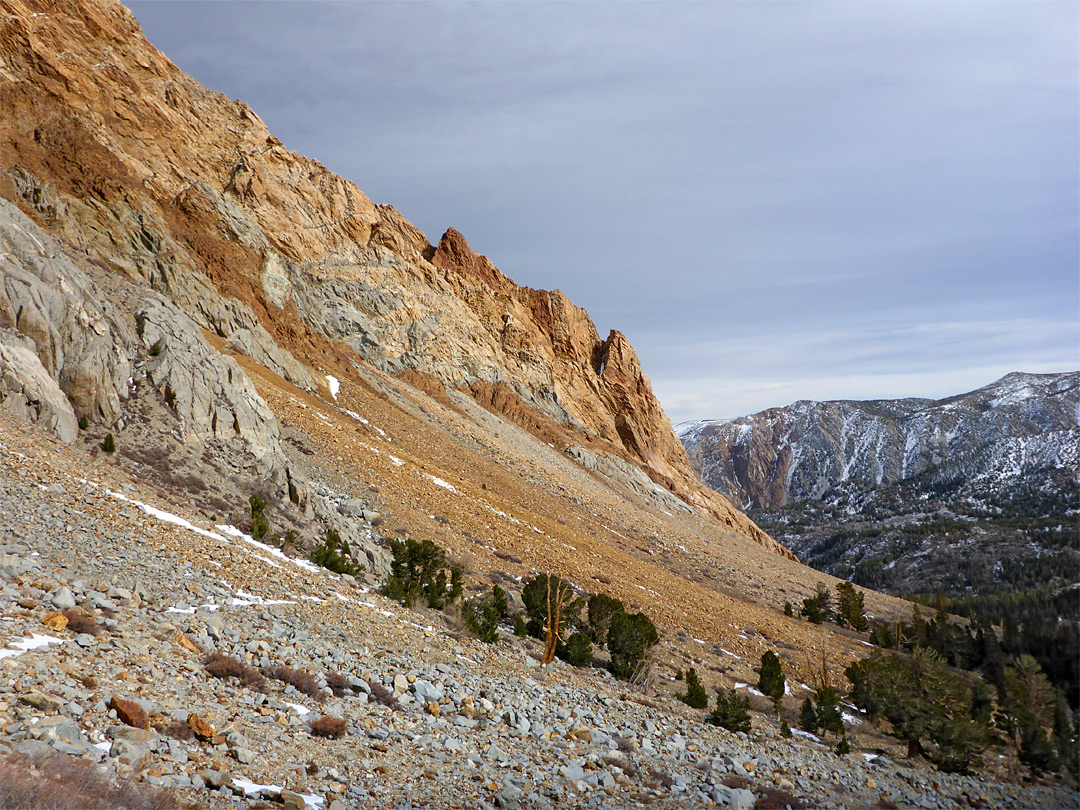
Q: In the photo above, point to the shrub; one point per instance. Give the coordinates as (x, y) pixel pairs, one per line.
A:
(259, 525)
(418, 573)
(695, 696)
(630, 638)
(109, 445)
(219, 665)
(520, 627)
(79, 621)
(732, 711)
(334, 555)
(179, 730)
(300, 679)
(84, 423)
(771, 681)
(332, 728)
(338, 683)
(577, 651)
(481, 617)
(774, 798)
(842, 747)
(601, 609)
(64, 783)
(380, 694)
(788, 609)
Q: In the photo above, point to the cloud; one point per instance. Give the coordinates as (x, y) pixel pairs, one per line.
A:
(774, 176)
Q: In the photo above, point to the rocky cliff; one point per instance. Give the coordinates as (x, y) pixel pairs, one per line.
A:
(117, 152)
(1020, 424)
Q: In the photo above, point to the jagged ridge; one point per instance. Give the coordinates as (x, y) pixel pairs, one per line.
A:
(1021, 423)
(123, 155)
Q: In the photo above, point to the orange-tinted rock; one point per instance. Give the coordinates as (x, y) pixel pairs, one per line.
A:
(202, 728)
(55, 621)
(129, 712)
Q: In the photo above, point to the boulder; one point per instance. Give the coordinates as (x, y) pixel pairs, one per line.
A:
(42, 700)
(129, 712)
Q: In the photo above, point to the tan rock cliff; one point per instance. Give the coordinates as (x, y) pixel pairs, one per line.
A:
(117, 151)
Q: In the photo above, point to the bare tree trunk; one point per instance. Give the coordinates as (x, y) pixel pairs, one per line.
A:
(552, 626)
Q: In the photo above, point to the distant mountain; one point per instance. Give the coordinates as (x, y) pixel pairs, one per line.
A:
(974, 494)
(1021, 424)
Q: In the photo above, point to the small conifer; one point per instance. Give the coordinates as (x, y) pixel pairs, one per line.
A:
(695, 696)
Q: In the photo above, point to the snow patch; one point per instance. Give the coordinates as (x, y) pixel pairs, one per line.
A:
(232, 531)
(335, 386)
(27, 644)
(167, 517)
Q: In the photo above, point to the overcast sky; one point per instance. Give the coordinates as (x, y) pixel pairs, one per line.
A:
(773, 201)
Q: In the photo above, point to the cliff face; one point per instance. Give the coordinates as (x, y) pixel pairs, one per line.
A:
(122, 155)
(1020, 424)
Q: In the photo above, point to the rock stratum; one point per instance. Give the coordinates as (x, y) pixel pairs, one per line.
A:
(118, 152)
(1019, 425)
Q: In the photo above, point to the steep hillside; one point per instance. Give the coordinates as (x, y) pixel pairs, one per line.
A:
(1020, 424)
(205, 337)
(242, 321)
(132, 161)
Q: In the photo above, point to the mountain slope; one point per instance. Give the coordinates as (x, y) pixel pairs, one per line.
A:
(245, 322)
(1008, 429)
(126, 157)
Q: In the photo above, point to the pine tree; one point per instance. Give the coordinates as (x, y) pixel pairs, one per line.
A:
(808, 719)
(601, 609)
(850, 607)
(924, 701)
(818, 608)
(630, 638)
(1065, 739)
(695, 696)
(731, 712)
(771, 681)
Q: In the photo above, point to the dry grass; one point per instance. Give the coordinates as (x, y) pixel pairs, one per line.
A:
(300, 679)
(219, 665)
(380, 694)
(63, 783)
(773, 798)
(79, 621)
(179, 731)
(338, 683)
(333, 728)
(661, 777)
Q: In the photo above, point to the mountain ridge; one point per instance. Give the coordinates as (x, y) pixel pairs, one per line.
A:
(125, 156)
(1018, 423)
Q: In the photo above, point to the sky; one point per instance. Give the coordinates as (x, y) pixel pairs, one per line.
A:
(773, 200)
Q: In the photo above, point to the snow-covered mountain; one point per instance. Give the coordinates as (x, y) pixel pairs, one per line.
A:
(1016, 426)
